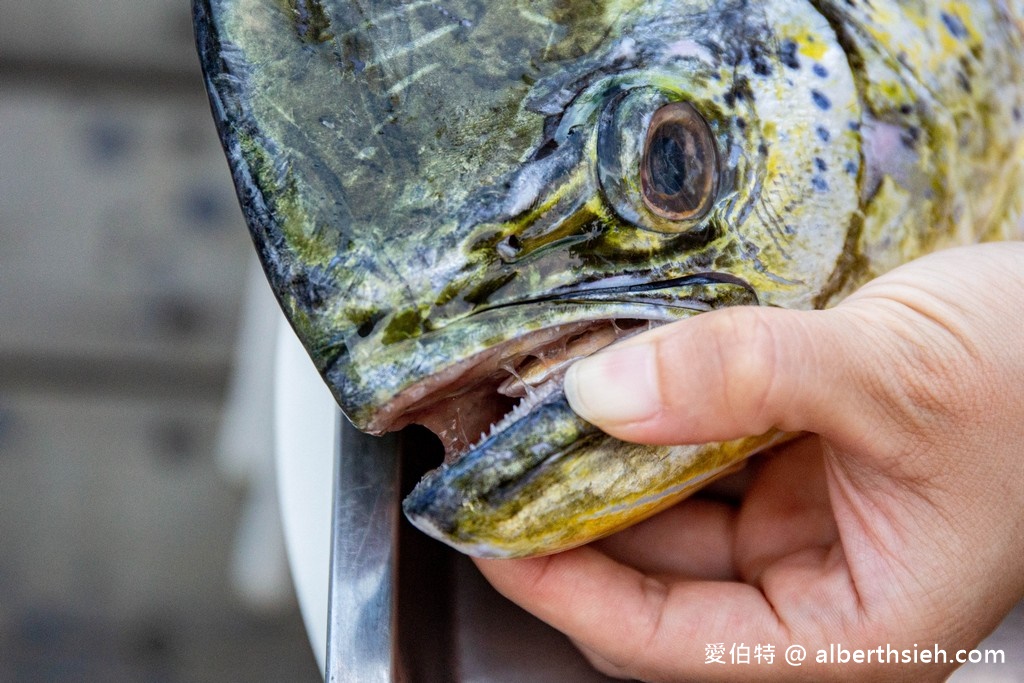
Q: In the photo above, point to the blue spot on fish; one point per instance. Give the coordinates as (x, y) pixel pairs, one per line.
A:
(954, 25)
(819, 183)
(823, 133)
(820, 70)
(821, 101)
(851, 168)
(787, 54)
(820, 164)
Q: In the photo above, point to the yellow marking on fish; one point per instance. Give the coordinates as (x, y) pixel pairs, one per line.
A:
(412, 78)
(812, 47)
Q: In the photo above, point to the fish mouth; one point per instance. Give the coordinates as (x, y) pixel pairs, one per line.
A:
(503, 419)
(476, 399)
(514, 406)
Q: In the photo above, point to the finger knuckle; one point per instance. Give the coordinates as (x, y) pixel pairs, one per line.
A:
(636, 658)
(745, 347)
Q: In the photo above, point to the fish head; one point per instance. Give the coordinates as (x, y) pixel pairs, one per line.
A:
(455, 201)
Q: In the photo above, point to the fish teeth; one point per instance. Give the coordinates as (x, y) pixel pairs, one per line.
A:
(541, 375)
(536, 396)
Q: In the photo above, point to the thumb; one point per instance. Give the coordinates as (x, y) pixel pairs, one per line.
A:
(727, 374)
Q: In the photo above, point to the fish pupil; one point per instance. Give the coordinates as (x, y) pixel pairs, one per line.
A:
(678, 171)
(671, 172)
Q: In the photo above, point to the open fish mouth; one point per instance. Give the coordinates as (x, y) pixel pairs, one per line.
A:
(503, 419)
(478, 398)
(513, 446)
(484, 394)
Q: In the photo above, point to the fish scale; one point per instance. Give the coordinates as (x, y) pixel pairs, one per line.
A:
(438, 191)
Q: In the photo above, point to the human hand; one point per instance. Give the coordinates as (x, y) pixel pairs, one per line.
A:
(898, 520)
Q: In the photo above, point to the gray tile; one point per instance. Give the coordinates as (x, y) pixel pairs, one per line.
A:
(117, 529)
(119, 33)
(122, 235)
(113, 505)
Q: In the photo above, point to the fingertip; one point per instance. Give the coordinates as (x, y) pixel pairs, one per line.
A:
(618, 386)
(722, 375)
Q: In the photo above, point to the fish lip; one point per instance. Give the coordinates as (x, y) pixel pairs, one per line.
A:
(709, 278)
(629, 286)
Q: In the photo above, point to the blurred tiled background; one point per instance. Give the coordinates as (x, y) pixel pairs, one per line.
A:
(122, 265)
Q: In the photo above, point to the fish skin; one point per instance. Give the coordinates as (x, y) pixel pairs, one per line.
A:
(426, 182)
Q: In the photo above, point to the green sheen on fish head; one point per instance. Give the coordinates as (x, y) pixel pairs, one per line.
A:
(408, 165)
(356, 132)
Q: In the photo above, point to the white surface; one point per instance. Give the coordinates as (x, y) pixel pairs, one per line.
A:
(245, 453)
(305, 415)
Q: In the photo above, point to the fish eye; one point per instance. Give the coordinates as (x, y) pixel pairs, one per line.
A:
(679, 166)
